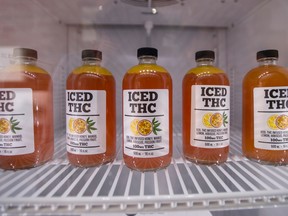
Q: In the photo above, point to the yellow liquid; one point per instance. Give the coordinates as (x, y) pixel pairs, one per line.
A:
(203, 75)
(29, 76)
(262, 76)
(92, 77)
(149, 76)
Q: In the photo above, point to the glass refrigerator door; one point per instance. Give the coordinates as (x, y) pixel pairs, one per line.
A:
(60, 29)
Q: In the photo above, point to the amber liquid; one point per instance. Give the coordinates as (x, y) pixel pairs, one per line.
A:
(41, 84)
(263, 76)
(149, 80)
(200, 76)
(93, 78)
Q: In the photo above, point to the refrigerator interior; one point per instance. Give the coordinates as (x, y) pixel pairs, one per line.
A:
(60, 30)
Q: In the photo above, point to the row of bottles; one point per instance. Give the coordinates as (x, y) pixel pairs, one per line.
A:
(26, 112)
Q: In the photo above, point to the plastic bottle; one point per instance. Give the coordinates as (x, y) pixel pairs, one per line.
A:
(147, 114)
(26, 113)
(265, 111)
(206, 105)
(90, 113)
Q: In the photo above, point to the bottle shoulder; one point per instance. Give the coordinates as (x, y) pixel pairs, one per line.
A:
(266, 73)
(204, 70)
(25, 68)
(146, 68)
(205, 75)
(92, 69)
(267, 69)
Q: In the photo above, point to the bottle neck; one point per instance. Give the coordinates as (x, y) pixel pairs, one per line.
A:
(147, 60)
(25, 60)
(205, 62)
(268, 61)
(92, 61)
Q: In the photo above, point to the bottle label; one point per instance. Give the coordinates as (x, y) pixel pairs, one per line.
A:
(146, 122)
(16, 121)
(86, 121)
(271, 118)
(210, 116)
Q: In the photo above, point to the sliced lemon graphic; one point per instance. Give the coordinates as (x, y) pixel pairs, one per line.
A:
(271, 122)
(216, 120)
(133, 126)
(70, 124)
(144, 127)
(206, 120)
(79, 125)
(4, 126)
(282, 122)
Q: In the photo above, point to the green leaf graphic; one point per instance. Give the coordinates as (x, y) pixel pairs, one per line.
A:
(90, 124)
(155, 125)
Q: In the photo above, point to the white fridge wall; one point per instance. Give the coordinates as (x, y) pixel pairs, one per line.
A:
(60, 188)
(263, 28)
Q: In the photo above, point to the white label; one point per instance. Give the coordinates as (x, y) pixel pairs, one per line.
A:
(271, 118)
(16, 121)
(146, 122)
(210, 116)
(86, 121)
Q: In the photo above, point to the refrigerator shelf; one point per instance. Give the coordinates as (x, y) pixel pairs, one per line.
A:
(57, 187)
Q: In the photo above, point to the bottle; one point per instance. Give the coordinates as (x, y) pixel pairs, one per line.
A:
(90, 113)
(26, 113)
(206, 104)
(147, 114)
(265, 111)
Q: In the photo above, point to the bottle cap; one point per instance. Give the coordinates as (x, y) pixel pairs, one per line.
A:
(91, 54)
(205, 54)
(25, 52)
(147, 51)
(272, 53)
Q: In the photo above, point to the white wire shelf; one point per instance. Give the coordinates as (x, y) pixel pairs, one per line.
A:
(58, 187)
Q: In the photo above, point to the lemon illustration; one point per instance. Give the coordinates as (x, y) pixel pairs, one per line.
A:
(282, 122)
(79, 125)
(70, 124)
(144, 127)
(4, 126)
(133, 126)
(271, 122)
(216, 120)
(206, 120)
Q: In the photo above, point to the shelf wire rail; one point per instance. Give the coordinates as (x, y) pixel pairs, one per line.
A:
(61, 188)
